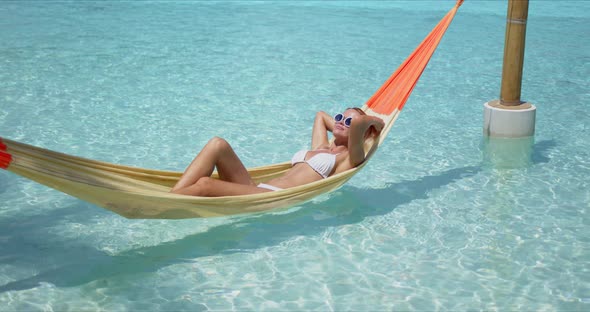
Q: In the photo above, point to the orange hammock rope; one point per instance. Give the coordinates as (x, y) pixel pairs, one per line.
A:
(394, 93)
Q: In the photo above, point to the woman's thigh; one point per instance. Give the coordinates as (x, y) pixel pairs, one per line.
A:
(212, 187)
(230, 167)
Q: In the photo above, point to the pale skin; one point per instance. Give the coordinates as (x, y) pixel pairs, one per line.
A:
(234, 178)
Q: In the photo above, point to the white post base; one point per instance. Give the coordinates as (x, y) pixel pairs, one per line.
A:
(509, 121)
(508, 135)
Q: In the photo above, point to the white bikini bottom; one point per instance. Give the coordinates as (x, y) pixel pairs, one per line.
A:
(269, 187)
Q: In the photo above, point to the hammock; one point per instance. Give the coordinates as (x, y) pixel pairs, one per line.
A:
(144, 194)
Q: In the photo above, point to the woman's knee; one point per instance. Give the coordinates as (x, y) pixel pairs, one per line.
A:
(219, 143)
(203, 186)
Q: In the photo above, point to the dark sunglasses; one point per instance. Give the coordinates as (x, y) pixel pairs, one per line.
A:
(346, 122)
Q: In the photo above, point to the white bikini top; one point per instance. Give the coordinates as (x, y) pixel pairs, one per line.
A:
(322, 163)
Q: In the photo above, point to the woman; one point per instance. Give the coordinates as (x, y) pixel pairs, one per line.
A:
(350, 129)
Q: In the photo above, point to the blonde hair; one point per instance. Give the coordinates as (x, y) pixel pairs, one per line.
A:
(358, 110)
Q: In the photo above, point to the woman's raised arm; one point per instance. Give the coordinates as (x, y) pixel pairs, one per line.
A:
(322, 124)
(360, 128)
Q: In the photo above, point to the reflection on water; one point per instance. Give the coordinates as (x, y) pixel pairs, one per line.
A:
(507, 153)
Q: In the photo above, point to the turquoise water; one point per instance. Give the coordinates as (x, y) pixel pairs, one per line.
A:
(427, 225)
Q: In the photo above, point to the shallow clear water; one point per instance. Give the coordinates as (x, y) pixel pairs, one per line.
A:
(427, 225)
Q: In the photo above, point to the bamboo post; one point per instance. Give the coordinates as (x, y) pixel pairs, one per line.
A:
(509, 122)
(510, 117)
(514, 52)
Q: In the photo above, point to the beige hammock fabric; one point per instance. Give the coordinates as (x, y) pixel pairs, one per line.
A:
(144, 194)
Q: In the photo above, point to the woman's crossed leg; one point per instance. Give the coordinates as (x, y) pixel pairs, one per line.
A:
(234, 178)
